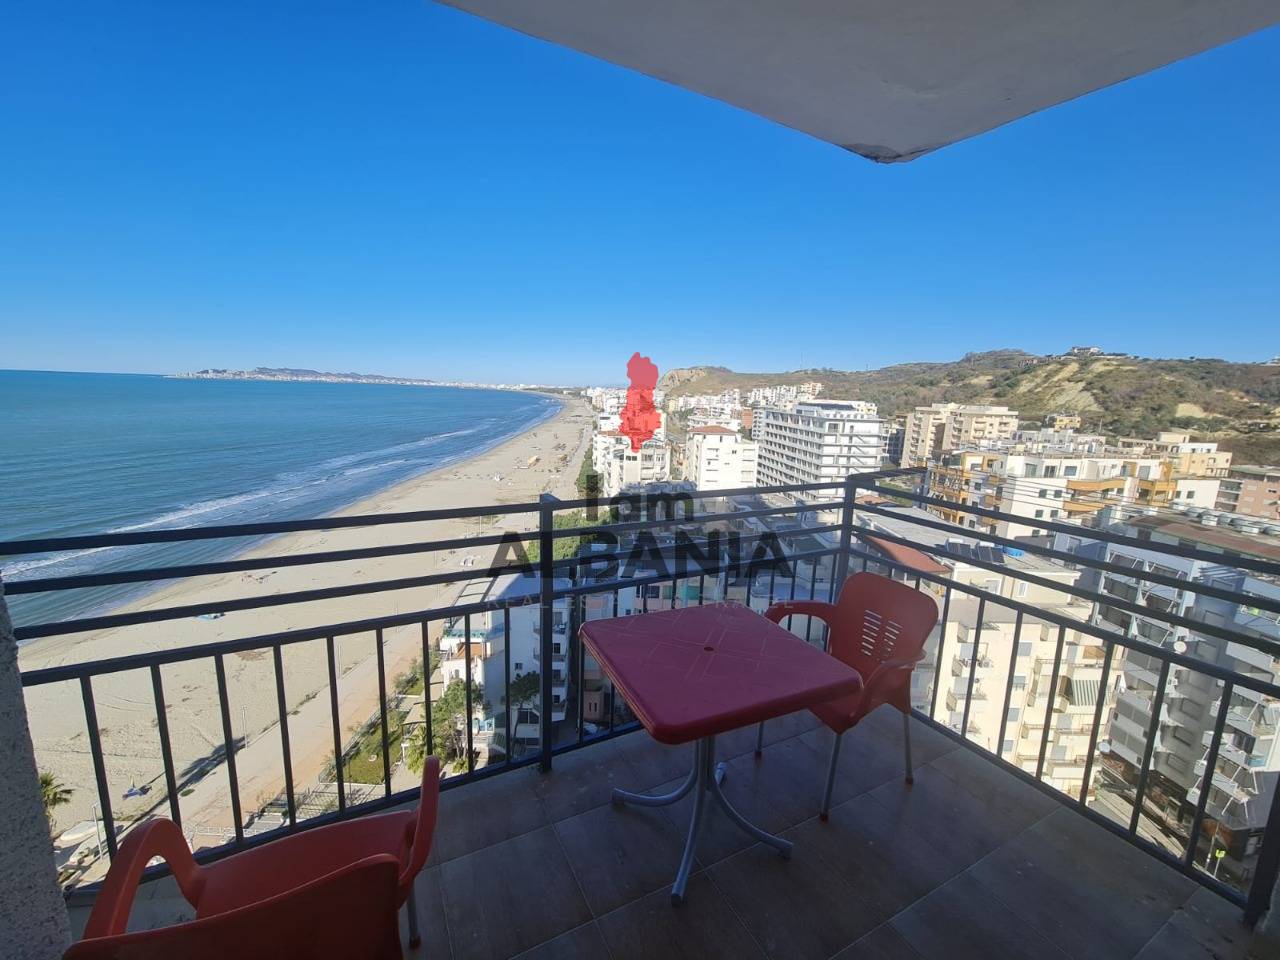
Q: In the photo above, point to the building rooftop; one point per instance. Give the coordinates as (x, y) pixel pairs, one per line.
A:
(713, 429)
(967, 862)
(1262, 545)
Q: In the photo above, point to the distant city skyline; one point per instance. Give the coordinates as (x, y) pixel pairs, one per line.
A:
(416, 193)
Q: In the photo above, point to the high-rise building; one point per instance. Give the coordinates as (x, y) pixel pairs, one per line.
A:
(942, 427)
(817, 441)
(1248, 760)
(1253, 491)
(717, 458)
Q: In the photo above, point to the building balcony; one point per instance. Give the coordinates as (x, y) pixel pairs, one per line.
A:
(969, 854)
(527, 859)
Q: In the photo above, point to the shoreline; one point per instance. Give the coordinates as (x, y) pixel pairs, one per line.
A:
(516, 469)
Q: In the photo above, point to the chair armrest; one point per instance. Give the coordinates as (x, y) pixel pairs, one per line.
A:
(155, 838)
(886, 674)
(804, 608)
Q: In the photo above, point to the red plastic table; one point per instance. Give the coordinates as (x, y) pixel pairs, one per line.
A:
(691, 674)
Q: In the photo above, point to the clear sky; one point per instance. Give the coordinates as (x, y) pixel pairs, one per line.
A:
(399, 188)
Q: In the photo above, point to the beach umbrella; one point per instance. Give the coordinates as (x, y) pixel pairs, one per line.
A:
(888, 79)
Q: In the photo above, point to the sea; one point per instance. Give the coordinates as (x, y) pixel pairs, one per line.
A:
(92, 453)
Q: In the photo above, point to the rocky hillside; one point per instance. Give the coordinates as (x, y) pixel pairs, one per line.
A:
(1237, 404)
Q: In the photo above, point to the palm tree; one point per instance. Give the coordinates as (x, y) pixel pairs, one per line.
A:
(54, 794)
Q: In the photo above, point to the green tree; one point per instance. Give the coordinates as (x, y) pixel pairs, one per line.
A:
(54, 794)
(449, 722)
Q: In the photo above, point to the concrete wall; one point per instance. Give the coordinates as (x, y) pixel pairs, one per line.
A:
(33, 916)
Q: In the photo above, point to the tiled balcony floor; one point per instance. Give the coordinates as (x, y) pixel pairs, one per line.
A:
(968, 862)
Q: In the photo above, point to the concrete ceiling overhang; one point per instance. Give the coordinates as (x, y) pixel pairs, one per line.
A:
(888, 79)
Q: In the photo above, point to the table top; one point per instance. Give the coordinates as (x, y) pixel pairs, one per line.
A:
(706, 670)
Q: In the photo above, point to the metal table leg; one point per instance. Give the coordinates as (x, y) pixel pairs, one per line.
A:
(705, 776)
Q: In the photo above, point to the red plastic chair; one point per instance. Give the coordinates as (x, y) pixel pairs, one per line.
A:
(350, 913)
(273, 869)
(879, 627)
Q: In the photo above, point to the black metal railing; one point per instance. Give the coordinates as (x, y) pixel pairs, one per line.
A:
(843, 531)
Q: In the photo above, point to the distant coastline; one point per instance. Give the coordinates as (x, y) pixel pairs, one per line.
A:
(303, 375)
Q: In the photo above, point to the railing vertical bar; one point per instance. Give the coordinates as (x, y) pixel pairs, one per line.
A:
(1109, 652)
(1008, 684)
(613, 706)
(331, 651)
(466, 652)
(773, 576)
(99, 764)
(813, 586)
(506, 681)
(674, 588)
(1050, 695)
(283, 713)
(166, 749)
(702, 588)
(575, 637)
(382, 712)
(229, 744)
(429, 746)
(546, 582)
(973, 669)
(1210, 765)
(937, 657)
(1153, 730)
(1268, 866)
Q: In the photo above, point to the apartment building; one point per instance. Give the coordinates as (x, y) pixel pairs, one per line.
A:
(1063, 421)
(1253, 491)
(942, 427)
(1200, 458)
(1248, 763)
(489, 638)
(1012, 658)
(1045, 475)
(717, 458)
(622, 467)
(817, 441)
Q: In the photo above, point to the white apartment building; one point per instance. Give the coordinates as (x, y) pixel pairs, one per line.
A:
(489, 658)
(1039, 482)
(818, 441)
(780, 394)
(1248, 764)
(623, 467)
(1031, 662)
(717, 458)
(942, 427)
(1199, 458)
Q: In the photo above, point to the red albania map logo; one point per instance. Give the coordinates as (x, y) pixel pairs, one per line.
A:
(640, 419)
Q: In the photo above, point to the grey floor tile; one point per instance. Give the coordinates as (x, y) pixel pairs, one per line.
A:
(620, 853)
(958, 825)
(1089, 891)
(431, 918)
(962, 920)
(995, 787)
(796, 908)
(511, 896)
(584, 779)
(580, 943)
(1213, 924)
(882, 858)
(489, 811)
(882, 943)
(652, 762)
(704, 928)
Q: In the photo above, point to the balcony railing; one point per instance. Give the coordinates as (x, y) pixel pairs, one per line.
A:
(844, 546)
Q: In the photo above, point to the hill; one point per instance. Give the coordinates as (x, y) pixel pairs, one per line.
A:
(1237, 404)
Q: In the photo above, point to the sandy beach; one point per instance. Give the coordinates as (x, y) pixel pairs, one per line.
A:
(125, 705)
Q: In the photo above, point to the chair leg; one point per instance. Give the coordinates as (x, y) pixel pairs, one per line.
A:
(831, 777)
(760, 739)
(411, 902)
(906, 737)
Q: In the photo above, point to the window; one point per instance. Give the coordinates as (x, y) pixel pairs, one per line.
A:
(1019, 682)
(518, 666)
(1015, 713)
(1069, 471)
(1024, 649)
(1039, 514)
(1021, 589)
(1043, 493)
(1191, 494)
(1007, 747)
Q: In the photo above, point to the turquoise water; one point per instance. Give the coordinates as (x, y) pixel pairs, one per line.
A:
(95, 453)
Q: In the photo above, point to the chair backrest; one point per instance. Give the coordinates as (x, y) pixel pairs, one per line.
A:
(877, 620)
(351, 913)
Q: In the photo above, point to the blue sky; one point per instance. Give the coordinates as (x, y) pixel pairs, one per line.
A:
(400, 188)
